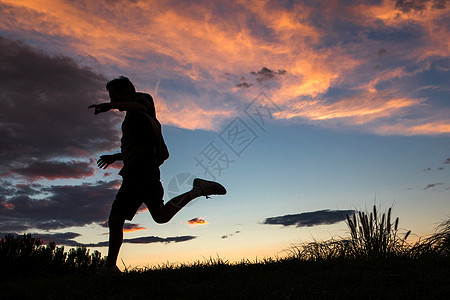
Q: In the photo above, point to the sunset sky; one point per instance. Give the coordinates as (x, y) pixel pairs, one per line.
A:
(304, 110)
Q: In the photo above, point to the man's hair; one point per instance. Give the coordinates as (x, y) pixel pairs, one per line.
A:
(121, 83)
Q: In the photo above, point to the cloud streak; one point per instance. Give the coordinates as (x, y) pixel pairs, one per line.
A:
(127, 227)
(310, 219)
(432, 185)
(67, 239)
(55, 170)
(225, 236)
(148, 240)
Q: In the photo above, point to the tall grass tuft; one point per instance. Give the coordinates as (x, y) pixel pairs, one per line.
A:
(375, 235)
(319, 250)
(372, 236)
(435, 246)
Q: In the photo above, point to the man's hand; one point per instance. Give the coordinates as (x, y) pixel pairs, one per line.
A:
(101, 108)
(106, 160)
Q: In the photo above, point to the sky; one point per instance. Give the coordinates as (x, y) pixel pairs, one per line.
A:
(304, 110)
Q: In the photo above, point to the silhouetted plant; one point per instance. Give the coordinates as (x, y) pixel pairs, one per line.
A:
(435, 246)
(372, 236)
(375, 236)
(320, 250)
(25, 255)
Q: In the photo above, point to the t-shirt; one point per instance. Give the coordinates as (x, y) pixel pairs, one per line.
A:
(140, 136)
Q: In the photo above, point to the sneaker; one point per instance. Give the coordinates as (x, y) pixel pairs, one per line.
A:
(109, 270)
(207, 188)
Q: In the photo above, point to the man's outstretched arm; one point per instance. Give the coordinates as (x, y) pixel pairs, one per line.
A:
(106, 160)
(122, 106)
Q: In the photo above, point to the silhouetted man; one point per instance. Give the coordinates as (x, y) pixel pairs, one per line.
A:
(142, 151)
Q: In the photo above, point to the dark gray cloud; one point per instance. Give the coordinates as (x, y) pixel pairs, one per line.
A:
(433, 185)
(44, 112)
(310, 219)
(244, 85)
(382, 52)
(47, 132)
(55, 169)
(266, 74)
(225, 236)
(406, 6)
(25, 207)
(155, 239)
(126, 226)
(440, 168)
(149, 240)
(67, 239)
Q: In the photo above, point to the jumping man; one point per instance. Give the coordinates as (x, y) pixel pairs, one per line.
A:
(142, 151)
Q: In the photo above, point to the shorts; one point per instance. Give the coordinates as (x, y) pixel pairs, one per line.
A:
(134, 191)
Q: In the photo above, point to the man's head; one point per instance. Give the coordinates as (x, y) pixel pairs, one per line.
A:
(120, 89)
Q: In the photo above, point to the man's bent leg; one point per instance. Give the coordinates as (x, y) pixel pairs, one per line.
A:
(163, 214)
(115, 223)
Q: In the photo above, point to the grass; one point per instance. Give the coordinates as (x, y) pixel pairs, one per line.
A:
(374, 262)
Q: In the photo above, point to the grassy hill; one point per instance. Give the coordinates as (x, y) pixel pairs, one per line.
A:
(289, 279)
(376, 262)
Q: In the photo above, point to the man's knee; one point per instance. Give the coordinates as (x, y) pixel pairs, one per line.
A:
(160, 219)
(159, 215)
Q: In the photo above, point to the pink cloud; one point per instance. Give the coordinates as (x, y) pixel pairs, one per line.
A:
(196, 221)
(200, 44)
(359, 109)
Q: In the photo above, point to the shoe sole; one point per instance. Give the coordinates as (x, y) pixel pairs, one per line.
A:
(215, 187)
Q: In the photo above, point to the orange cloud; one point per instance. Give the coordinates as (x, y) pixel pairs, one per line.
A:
(191, 115)
(394, 15)
(8, 205)
(196, 221)
(429, 18)
(128, 227)
(190, 35)
(386, 75)
(359, 109)
(426, 128)
(201, 44)
(133, 229)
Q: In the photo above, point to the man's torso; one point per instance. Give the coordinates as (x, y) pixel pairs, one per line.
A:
(138, 142)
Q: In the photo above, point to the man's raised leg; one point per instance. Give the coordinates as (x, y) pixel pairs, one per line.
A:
(200, 187)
